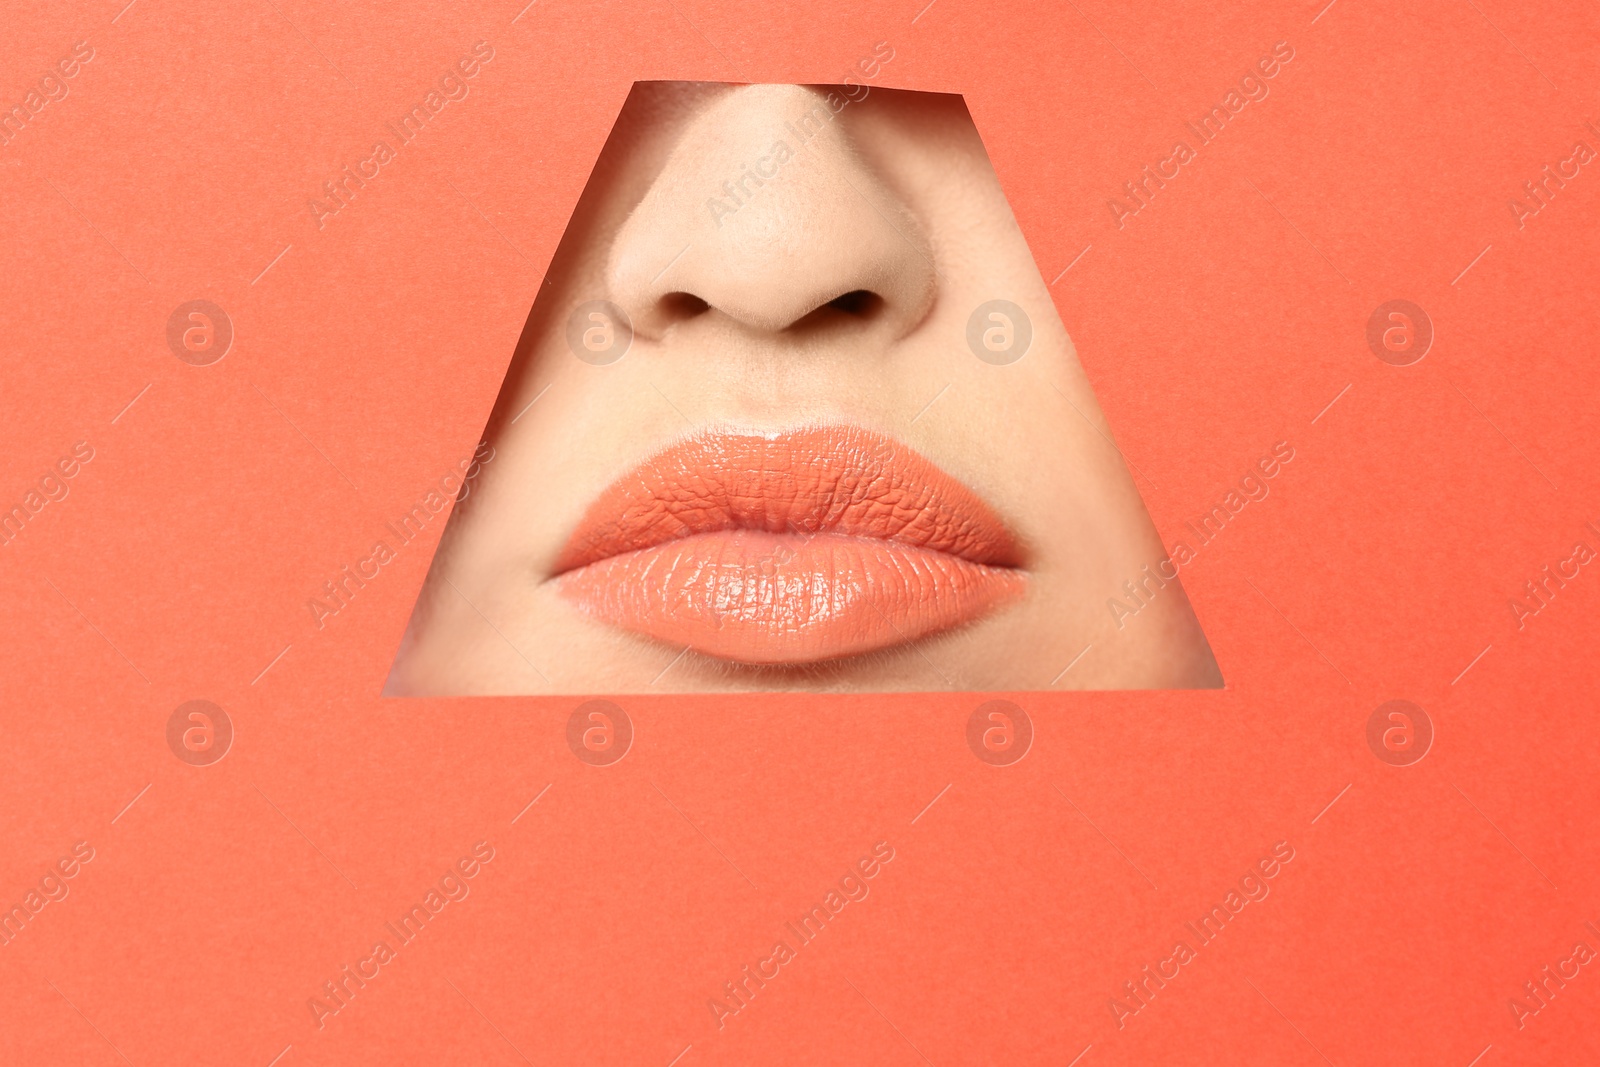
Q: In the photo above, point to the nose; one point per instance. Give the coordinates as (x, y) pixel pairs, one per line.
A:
(767, 215)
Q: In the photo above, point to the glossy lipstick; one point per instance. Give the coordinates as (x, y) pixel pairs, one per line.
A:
(789, 548)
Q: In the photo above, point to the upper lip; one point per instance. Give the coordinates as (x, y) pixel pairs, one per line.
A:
(841, 480)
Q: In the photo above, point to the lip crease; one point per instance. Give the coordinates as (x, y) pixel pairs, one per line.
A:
(789, 548)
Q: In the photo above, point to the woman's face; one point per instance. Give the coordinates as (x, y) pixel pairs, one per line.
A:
(821, 456)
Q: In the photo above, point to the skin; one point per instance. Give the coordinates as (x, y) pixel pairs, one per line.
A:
(894, 197)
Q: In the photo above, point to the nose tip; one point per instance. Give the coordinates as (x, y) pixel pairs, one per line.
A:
(766, 213)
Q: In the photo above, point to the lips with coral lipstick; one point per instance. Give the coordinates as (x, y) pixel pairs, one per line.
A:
(793, 547)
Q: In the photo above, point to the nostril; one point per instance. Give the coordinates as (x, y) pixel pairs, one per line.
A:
(857, 306)
(860, 305)
(857, 302)
(677, 307)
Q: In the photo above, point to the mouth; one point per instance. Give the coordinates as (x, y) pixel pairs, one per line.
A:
(789, 548)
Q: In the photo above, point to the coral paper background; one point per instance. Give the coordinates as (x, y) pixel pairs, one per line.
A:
(1227, 315)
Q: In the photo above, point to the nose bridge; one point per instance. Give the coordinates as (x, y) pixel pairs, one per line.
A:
(765, 211)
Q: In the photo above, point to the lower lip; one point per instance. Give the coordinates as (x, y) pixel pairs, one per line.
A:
(763, 598)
